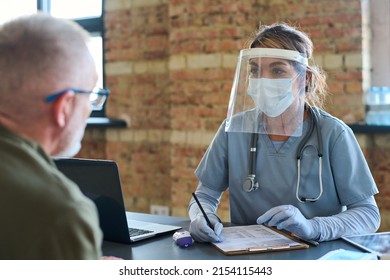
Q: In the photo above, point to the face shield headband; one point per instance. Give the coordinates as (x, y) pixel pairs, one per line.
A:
(268, 92)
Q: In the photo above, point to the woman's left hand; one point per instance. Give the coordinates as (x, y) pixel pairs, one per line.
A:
(289, 218)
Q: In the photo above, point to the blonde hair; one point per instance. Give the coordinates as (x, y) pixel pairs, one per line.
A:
(283, 36)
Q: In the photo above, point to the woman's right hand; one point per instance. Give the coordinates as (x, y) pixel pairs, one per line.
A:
(201, 232)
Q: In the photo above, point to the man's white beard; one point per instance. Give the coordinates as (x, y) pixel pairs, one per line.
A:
(70, 151)
(74, 146)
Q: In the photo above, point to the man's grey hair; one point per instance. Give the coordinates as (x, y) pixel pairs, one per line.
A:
(40, 54)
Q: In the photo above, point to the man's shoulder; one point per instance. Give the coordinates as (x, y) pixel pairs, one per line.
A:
(44, 211)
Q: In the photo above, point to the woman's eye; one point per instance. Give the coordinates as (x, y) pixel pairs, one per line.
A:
(254, 71)
(278, 71)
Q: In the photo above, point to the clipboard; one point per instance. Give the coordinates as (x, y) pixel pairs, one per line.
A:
(254, 239)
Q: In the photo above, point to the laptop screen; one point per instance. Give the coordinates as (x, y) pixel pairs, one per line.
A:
(99, 180)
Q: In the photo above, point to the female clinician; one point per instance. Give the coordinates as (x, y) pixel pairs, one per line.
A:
(285, 162)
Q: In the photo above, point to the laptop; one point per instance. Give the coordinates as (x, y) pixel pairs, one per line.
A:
(376, 243)
(100, 181)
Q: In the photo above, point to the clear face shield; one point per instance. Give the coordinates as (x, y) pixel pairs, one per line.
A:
(268, 92)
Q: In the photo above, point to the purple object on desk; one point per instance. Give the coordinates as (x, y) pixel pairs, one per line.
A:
(183, 239)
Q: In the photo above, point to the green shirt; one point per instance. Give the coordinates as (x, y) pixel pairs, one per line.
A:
(43, 215)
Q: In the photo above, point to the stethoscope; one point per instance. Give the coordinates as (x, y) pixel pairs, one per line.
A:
(251, 183)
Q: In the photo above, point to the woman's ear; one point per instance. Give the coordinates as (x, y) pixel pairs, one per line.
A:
(62, 108)
(308, 81)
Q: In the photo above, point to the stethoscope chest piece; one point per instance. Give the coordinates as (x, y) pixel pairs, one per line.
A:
(250, 184)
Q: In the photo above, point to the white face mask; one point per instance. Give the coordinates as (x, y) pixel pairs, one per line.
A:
(272, 96)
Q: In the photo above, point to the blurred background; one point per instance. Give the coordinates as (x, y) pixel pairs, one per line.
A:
(170, 65)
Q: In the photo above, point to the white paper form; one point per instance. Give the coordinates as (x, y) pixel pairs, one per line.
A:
(253, 238)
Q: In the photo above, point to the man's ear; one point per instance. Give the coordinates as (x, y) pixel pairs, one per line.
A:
(62, 108)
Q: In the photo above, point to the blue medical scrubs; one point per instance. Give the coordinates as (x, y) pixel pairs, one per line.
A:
(345, 174)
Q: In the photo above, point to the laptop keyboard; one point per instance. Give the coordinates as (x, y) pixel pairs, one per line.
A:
(136, 231)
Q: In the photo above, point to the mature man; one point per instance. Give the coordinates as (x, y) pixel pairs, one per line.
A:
(47, 78)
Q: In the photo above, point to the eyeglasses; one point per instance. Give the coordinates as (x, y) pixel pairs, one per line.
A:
(97, 96)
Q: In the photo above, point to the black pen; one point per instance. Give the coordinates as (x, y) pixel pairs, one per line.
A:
(311, 242)
(203, 212)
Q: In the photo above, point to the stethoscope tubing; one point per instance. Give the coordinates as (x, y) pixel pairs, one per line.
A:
(314, 125)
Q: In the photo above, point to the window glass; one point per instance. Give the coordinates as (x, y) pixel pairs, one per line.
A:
(76, 9)
(96, 48)
(12, 9)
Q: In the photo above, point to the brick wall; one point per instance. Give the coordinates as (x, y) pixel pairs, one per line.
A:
(170, 65)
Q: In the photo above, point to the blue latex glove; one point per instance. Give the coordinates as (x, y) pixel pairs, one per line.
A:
(289, 218)
(201, 232)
